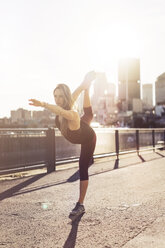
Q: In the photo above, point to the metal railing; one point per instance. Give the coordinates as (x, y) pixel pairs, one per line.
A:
(26, 149)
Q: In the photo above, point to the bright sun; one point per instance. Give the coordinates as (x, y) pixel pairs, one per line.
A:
(113, 42)
(125, 41)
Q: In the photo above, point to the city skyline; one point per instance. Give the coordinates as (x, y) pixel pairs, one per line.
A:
(47, 42)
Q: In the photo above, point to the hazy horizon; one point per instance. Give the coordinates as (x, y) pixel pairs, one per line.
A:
(48, 42)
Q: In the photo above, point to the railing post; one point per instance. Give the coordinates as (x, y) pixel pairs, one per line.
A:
(137, 141)
(153, 139)
(51, 156)
(117, 142)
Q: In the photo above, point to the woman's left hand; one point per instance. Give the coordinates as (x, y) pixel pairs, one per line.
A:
(35, 102)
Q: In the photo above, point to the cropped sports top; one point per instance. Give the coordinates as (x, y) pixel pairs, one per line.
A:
(80, 136)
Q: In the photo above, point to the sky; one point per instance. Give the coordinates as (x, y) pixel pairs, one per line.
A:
(45, 42)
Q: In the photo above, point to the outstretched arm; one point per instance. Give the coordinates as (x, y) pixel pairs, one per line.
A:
(67, 114)
(89, 77)
(77, 92)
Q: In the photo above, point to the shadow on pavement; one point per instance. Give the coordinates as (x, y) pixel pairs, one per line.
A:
(23, 190)
(12, 191)
(142, 159)
(71, 240)
(74, 177)
(116, 166)
(160, 154)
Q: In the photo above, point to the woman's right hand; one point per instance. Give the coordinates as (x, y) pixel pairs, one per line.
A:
(35, 103)
(89, 77)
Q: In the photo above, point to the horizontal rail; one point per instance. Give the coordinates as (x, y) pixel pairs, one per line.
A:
(18, 146)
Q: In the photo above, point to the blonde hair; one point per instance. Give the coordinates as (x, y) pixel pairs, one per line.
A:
(68, 105)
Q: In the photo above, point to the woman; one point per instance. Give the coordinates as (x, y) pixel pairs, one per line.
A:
(75, 129)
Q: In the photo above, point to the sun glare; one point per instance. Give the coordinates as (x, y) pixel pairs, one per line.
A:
(113, 42)
(125, 41)
(118, 40)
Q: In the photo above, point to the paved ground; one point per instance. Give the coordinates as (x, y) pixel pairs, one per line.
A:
(125, 207)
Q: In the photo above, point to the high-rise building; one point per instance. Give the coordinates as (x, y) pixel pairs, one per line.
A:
(160, 89)
(111, 90)
(129, 80)
(103, 100)
(148, 95)
(99, 90)
(111, 98)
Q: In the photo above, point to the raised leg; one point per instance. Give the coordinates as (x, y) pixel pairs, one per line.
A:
(87, 102)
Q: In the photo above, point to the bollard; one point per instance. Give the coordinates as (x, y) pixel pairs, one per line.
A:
(117, 143)
(153, 139)
(137, 141)
(51, 155)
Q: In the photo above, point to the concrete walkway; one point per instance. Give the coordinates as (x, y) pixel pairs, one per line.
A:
(125, 206)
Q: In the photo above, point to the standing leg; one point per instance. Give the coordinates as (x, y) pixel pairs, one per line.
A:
(86, 155)
(85, 159)
(83, 190)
